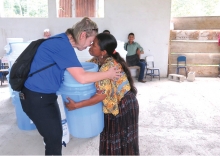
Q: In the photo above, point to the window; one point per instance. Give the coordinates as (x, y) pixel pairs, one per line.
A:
(80, 8)
(24, 8)
(184, 8)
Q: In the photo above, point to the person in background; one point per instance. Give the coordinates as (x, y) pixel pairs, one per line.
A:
(40, 99)
(106, 31)
(120, 105)
(133, 55)
(47, 33)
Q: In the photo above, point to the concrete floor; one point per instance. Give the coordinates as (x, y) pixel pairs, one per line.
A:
(175, 119)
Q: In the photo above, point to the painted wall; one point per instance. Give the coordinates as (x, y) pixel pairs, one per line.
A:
(148, 20)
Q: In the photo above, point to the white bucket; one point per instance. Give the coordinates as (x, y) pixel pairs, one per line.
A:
(191, 76)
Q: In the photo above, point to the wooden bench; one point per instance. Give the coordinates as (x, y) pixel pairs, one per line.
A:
(176, 77)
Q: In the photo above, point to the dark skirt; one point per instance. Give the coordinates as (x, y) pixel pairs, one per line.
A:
(120, 133)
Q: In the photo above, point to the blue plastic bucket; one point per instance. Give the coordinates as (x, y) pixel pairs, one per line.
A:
(9, 86)
(88, 121)
(23, 121)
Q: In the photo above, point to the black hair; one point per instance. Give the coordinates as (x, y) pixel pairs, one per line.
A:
(108, 42)
(130, 34)
(106, 31)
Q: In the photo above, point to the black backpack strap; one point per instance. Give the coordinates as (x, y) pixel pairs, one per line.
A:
(126, 47)
(41, 69)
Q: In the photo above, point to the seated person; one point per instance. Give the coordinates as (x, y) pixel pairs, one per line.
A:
(133, 56)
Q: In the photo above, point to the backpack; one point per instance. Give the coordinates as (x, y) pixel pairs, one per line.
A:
(20, 69)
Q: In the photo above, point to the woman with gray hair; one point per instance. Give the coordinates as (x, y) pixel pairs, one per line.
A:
(40, 99)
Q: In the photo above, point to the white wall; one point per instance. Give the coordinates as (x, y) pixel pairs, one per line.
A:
(149, 20)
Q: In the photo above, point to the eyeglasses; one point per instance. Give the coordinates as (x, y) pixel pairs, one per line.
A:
(92, 29)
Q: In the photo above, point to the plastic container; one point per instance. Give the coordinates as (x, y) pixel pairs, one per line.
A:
(191, 76)
(23, 121)
(11, 40)
(16, 48)
(88, 121)
(9, 86)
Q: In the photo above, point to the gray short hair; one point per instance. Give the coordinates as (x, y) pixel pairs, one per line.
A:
(87, 25)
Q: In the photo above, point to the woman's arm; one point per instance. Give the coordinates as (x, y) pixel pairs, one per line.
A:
(71, 105)
(84, 77)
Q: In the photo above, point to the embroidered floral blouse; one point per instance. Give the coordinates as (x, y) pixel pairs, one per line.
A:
(114, 90)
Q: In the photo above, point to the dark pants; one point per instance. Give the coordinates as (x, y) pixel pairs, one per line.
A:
(44, 111)
(134, 60)
(142, 69)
